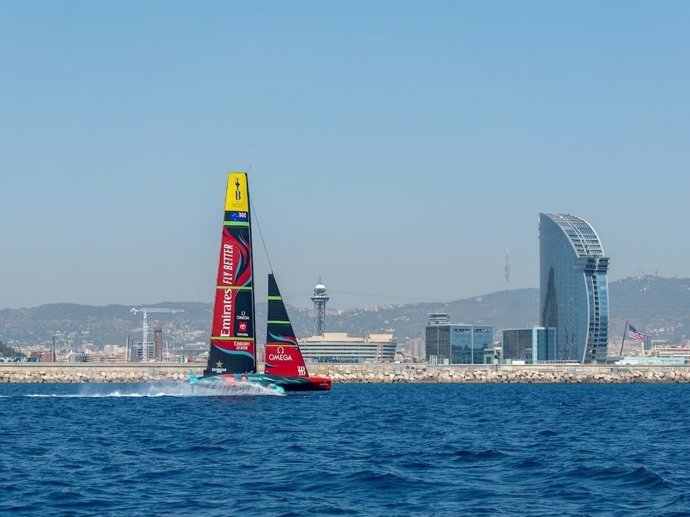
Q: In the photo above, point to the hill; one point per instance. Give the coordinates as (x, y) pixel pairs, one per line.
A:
(661, 306)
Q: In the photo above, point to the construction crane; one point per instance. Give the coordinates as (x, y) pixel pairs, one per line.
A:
(145, 325)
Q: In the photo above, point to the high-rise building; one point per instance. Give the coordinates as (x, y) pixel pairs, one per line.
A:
(158, 343)
(573, 287)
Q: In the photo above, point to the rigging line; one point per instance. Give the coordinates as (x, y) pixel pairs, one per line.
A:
(258, 226)
(386, 296)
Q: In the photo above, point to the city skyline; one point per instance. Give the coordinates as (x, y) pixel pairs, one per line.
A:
(393, 150)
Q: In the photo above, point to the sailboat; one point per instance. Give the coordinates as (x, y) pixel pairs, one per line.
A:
(232, 350)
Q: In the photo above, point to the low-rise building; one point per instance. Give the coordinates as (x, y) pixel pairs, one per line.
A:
(339, 347)
(457, 343)
(529, 345)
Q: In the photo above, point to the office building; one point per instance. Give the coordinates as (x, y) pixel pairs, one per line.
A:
(448, 343)
(531, 345)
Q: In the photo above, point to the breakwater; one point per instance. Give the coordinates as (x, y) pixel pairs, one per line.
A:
(95, 372)
(354, 373)
(515, 374)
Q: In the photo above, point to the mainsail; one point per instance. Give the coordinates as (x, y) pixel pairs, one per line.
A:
(233, 345)
(283, 356)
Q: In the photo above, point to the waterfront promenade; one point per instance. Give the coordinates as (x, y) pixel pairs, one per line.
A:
(353, 373)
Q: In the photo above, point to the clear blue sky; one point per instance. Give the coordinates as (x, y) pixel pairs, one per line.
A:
(396, 148)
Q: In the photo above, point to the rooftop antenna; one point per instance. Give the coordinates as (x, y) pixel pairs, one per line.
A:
(506, 268)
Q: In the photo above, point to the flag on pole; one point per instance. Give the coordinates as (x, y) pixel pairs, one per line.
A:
(634, 334)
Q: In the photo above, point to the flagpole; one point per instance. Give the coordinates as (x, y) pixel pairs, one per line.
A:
(625, 332)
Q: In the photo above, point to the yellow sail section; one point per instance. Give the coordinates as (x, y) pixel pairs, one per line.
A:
(236, 197)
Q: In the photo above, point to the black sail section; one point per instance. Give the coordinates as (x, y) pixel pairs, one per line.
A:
(283, 356)
(278, 319)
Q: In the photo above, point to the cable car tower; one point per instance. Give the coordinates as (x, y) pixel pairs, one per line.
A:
(320, 298)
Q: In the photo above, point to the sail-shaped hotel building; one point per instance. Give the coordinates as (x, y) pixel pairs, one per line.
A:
(573, 287)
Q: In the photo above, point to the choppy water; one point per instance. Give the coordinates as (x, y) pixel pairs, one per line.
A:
(360, 450)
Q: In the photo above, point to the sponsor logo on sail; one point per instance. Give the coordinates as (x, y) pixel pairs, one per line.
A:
(226, 315)
(238, 192)
(242, 345)
(280, 355)
(228, 263)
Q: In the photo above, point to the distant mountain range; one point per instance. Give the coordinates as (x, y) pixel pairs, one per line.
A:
(659, 306)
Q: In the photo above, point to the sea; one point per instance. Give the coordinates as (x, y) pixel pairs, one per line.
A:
(361, 449)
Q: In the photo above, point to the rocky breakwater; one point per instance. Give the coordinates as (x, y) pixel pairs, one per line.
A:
(504, 374)
(94, 373)
(369, 373)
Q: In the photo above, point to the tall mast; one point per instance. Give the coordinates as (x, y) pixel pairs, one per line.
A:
(251, 265)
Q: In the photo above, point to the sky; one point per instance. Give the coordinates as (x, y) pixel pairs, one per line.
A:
(395, 149)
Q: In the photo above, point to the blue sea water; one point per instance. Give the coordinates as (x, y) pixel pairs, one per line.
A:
(388, 449)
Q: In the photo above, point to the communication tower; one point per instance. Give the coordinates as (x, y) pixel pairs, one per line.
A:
(320, 298)
(506, 268)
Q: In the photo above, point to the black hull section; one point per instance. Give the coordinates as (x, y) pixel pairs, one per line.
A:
(302, 386)
(228, 363)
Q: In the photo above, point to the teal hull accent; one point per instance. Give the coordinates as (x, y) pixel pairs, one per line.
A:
(279, 383)
(230, 380)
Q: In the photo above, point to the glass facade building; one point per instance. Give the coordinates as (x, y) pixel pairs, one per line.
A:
(573, 287)
(448, 343)
(532, 345)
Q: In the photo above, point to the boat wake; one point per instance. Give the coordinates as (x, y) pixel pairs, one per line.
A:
(238, 388)
(162, 390)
